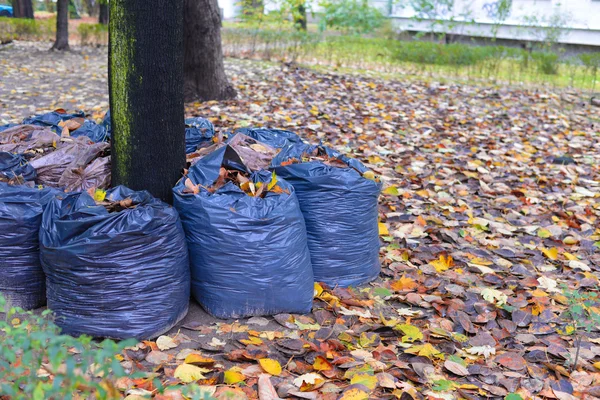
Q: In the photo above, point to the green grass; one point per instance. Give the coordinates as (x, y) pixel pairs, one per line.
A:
(495, 64)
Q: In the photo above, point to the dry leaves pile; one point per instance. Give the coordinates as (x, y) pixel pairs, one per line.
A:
(491, 204)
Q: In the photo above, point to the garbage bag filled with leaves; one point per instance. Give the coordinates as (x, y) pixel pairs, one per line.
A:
(246, 237)
(276, 138)
(95, 132)
(107, 124)
(53, 119)
(22, 279)
(31, 139)
(70, 155)
(199, 133)
(116, 267)
(338, 197)
(15, 169)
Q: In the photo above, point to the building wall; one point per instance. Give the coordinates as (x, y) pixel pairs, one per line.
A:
(526, 21)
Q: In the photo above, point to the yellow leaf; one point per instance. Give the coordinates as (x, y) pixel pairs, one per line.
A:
(443, 263)
(392, 190)
(404, 283)
(354, 394)
(425, 350)
(411, 333)
(270, 366)
(369, 175)
(551, 253)
(187, 373)
(198, 359)
(383, 230)
(318, 289)
(99, 195)
(273, 182)
(321, 364)
(570, 256)
(367, 380)
(233, 376)
(252, 340)
(544, 233)
(597, 365)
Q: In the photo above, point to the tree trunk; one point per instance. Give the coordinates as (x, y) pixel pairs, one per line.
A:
(90, 7)
(146, 94)
(204, 72)
(103, 15)
(300, 17)
(62, 25)
(22, 8)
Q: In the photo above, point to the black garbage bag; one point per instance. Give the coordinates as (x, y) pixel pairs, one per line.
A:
(52, 119)
(15, 168)
(277, 138)
(340, 209)
(107, 124)
(248, 255)
(199, 132)
(22, 279)
(117, 274)
(7, 126)
(95, 132)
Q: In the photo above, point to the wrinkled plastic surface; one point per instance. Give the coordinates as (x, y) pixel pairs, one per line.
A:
(95, 132)
(119, 275)
(23, 138)
(5, 127)
(52, 119)
(277, 138)
(248, 255)
(22, 279)
(340, 210)
(199, 132)
(69, 155)
(96, 175)
(15, 166)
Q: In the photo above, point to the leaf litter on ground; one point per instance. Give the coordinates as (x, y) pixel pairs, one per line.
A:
(491, 206)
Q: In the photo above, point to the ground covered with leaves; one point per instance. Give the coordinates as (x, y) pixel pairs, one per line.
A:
(490, 231)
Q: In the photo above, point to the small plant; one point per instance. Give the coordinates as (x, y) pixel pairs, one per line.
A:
(37, 362)
(591, 61)
(582, 315)
(93, 34)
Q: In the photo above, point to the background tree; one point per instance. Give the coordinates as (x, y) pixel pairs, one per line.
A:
(103, 13)
(146, 94)
(62, 25)
(22, 8)
(204, 72)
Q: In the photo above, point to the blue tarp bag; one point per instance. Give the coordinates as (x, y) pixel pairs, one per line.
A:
(340, 209)
(95, 132)
(15, 166)
(107, 124)
(248, 255)
(52, 119)
(118, 274)
(276, 138)
(22, 280)
(199, 132)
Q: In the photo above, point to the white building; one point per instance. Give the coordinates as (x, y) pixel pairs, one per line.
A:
(574, 22)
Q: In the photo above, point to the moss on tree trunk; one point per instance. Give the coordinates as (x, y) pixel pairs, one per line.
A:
(146, 94)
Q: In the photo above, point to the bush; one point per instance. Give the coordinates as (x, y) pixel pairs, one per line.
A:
(351, 16)
(93, 34)
(26, 29)
(37, 362)
(547, 63)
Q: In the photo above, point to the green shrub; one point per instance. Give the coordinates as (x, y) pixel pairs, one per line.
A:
(351, 16)
(27, 29)
(36, 362)
(93, 34)
(546, 62)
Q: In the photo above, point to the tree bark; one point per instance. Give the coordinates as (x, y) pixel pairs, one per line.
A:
(22, 8)
(62, 25)
(103, 15)
(146, 94)
(204, 72)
